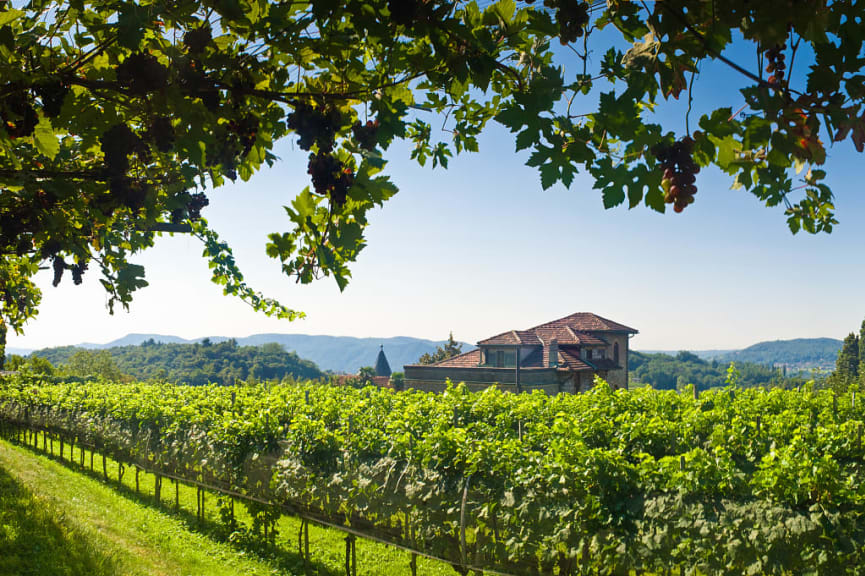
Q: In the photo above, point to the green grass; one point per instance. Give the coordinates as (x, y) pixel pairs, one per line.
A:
(59, 519)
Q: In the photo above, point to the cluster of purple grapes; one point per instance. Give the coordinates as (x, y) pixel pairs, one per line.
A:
(680, 171)
(776, 66)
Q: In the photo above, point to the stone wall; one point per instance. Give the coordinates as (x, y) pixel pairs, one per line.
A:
(528, 376)
(618, 378)
(440, 386)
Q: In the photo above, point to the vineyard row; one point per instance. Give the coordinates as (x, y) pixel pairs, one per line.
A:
(725, 482)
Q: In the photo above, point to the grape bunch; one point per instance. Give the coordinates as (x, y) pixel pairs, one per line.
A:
(24, 245)
(142, 73)
(572, 16)
(58, 266)
(366, 135)
(161, 133)
(52, 94)
(195, 83)
(196, 202)
(330, 177)
(17, 113)
(403, 12)
(315, 125)
(78, 272)
(197, 39)
(246, 129)
(679, 172)
(118, 143)
(776, 66)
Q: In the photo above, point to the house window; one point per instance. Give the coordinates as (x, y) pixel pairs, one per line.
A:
(500, 358)
(588, 353)
(616, 352)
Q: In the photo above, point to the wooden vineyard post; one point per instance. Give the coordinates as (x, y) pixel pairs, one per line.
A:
(91, 459)
(51, 445)
(104, 467)
(45, 441)
(303, 543)
(137, 472)
(412, 559)
(157, 489)
(350, 555)
(300, 543)
(61, 447)
(177, 495)
(463, 551)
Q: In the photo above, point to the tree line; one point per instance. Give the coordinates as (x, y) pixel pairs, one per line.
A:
(195, 364)
(665, 372)
(850, 365)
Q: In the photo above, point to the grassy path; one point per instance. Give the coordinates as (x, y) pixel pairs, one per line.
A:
(57, 519)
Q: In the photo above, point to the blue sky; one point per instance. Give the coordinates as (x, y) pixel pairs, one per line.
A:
(480, 248)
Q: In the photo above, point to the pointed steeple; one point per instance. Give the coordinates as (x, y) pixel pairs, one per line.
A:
(382, 368)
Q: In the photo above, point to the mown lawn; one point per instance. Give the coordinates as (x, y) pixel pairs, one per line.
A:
(57, 519)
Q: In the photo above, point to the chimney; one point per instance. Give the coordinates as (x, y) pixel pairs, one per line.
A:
(554, 353)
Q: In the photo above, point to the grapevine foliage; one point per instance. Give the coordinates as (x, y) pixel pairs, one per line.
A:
(731, 482)
(121, 117)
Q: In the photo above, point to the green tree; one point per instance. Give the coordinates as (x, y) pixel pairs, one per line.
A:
(862, 351)
(366, 374)
(118, 118)
(447, 350)
(93, 364)
(847, 365)
(30, 365)
(397, 380)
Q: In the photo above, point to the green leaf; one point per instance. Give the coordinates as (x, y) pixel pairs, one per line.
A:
(10, 15)
(549, 175)
(46, 139)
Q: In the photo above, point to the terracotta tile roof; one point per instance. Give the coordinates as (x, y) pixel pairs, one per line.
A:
(566, 336)
(512, 338)
(570, 359)
(587, 322)
(467, 360)
(528, 337)
(509, 337)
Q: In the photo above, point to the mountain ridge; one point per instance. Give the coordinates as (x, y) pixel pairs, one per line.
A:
(348, 353)
(796, 353)
(345, 354)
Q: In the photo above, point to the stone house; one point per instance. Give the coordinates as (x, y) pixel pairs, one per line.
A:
(564, 355)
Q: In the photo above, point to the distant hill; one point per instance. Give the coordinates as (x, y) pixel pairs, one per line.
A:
(221, 362)
(18, 351)
(796, 354)
(669, 372)
(800, 353)
(335, 353)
